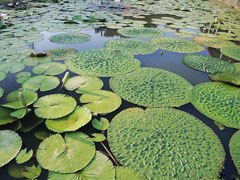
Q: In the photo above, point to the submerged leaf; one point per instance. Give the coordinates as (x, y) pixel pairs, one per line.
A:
(41, 135)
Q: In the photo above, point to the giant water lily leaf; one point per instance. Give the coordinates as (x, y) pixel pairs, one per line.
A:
(219, 102)
(140, 32)
(78, 118)
(10, 144)
(234, 147)
(42, 83)
(101, 101)
(165, 143)
(213, 42)
(66, 38)
(124, 173)
(207, 63)
(66, 155)
(54, 106)
(232, 52)
(152, 87)
(13, 99)
(101, 62)
(79, 83)
(5, 117)
(131, 46)
(176, 45)
(51, 68)
(100, 168)
(101, 124)
(1, 92)
(23, 156)
(60, 53)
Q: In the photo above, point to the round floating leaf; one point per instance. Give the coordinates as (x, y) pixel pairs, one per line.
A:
(124, 173)
(219, 102)
(100, 168)
(13, 100)
(10, 145)
(140, 32)
(232, 52)
(32, 172)
(131, 46)
(20, 113)
(23, 156)
(103, 124)
(23, 76)
(16, 170)
(98, 137)
(66, 38)
(54, 106)
(101, 101)
(78, 118)
(213, 42)
(102, 63)
(234, 147)
(176, 45)
(207, 63)
(60, 53)
(3, 75)
(152, 87)
(66, 155)
(165, 143)
(1, 92)
(88, 83)
(51, 68)
(42, 83)
(34, 61)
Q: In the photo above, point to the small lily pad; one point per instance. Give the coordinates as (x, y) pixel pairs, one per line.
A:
(51, 68)
(66, 38)
(234, 147)
(232, 52)
(41, 135)
(23, 156)
(22, 77)
(98, 137)
(60, 53)
(32, 172)
(20, 113)
(140, 32)
(103, 124)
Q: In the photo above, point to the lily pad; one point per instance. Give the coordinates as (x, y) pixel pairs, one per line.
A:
(22, 77)
(98, 137)
(219, 102)
(20, 113)
(131, 46)
(124, 173)
(207, 63)
(51, 68)
(140, 32)
(67, 38)
(12, 67)
(23, 156)
(213, 42)
(234, 147)
(67, 155)
(102, 62)
(10, 145)
(152, 87)
(101, 124)
(54, 106)
(34, 61)
(101, 101)
(165, 143)
(176, 45)
(60, 53)
(78, 118)
(3, 75)
(100, 168)
(232, 52)
(32, 172)
(41, 135)
(1, 92)
(79, 83)
(42, 83)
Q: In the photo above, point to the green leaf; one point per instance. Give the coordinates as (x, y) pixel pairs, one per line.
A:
(32, 172)
(23, 156)
(232, 52)
(65, 78)
(103, 124)
(234, 147)
(22, 99)
(10, 145)
(54, 106)
(20, 113)
(140, 32)
(101, 102)
(5, 116)
(60, 53)
(98, 137)
(22, 77)
(67, 155)
(66, 38)
(1, 92)
(51, 69)
(34, 61)
(3, 75)
(124, 173)
(213, 42)
(41, 135)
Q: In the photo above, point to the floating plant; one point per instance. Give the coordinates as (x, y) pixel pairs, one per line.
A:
(66, 38)
(140, 32)
(23, 156)
(213, 42)
(51, 69)
(60, 53)
(124, 173)
(5, 117)
(22, 77)
(232, 52)
(234, 147)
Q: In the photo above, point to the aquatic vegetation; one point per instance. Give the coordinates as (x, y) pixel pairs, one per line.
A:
(34, 61)
(98, 137)
(12, 67)
(152, 87)
(54, 106)
(60, 53)
(183, 146)
(29, 125)
(10, 145)
(213, 42)
(234, 146)
(66, 155)
(32, 172)
(176, 45)
(22, 77)
(207, 64)
(50, 69)
(124, 173)
(1, 92)
(140, 32)
(101, 124)
(219, 102)
(102, 62)
(67, 38)
(232, 52)
(23, 156)
(5, 117)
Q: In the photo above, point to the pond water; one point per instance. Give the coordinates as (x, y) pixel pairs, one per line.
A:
(161, 59)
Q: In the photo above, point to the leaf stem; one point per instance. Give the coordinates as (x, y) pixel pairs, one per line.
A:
(115, 161)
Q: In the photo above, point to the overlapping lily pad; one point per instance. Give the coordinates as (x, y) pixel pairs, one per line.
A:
(219, 102)
(54, 106)
(5, 116)
(124, 173)
(10, 145)
(12, 67)
(67, 38)
(234, 147)
(165, 143)
(60, 53)
(101, 62)
(232, 52)
(207, 63)
(22, 77)
(152, 87)
(51, 68)
(213, 42)
(176, 45)
(101, 101)
(66, 155)
(78, 118)
(140, 32)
